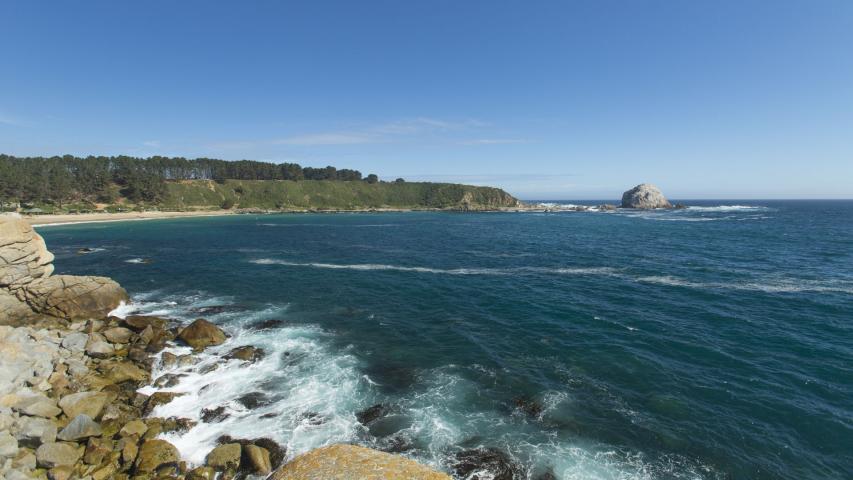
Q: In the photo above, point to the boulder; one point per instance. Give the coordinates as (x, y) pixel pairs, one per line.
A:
(37, 405)
(201, 334)
(50, 455)
(645, 196)
(119, 372)
(351, 462)
(258, 459)
(72, 297)
(224, 457)
(201, 473)
(141, 322)
(75, 342)
(8, 445)
(159, 398)
(81, 427)
(118, 334)
(97, 449)
(23, 254)
(133, 427)
(13, 311)
(246, 353)
(98, 347)
(34, 431)
(155, 453)
(61, 472)
(86, 403)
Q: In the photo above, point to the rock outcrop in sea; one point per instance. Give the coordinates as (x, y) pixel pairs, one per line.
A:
(645, 196)
(27, 286)
(70, 375)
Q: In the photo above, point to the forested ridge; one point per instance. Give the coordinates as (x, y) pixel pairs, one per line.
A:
(79, 183)
(59, 179)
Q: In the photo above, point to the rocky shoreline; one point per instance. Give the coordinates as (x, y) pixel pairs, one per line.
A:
(70, 380)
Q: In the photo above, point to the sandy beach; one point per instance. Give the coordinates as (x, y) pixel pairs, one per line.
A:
(64, 219)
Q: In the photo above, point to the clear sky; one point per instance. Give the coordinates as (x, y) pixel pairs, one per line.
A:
(557, 100)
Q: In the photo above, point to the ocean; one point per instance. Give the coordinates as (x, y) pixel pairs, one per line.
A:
(704, 343)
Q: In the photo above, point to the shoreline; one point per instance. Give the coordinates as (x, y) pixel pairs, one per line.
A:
(70, 218)
(80, 218)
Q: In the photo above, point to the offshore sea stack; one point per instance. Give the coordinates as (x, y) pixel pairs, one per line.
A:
(646, 197)
(28, 288)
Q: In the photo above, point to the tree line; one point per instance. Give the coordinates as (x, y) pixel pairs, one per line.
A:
(95, 178)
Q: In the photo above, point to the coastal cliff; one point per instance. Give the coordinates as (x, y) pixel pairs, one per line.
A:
(70, 380)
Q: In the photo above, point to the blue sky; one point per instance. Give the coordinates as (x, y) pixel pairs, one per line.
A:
(562, 100)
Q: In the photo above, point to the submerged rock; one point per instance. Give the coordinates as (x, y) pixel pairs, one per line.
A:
(529, 406)
(353, 462)
(493, 462)
(370, 414)
(214, 415)
(246, 353)
(269, 324)
(254, 400)
(645, 196)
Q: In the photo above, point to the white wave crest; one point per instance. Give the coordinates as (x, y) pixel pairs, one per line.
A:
(727, 208)
(450, 271)
(769, 285)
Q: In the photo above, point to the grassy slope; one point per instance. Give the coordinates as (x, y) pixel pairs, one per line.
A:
(314, 194)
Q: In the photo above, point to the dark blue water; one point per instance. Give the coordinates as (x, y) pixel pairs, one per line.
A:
(713, 342)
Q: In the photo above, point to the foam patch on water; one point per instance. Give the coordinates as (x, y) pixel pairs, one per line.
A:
(307, 395)
(727, 208)
(769, 286)
(445, 271)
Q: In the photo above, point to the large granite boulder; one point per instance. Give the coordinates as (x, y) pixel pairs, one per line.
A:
(201, 334)
(23, 253)
(27, 287)
(73, 297)
(645, 196)
(155, 453)
(350, 462)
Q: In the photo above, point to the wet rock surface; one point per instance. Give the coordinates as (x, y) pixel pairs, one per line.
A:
(483, 463)
(201, 334)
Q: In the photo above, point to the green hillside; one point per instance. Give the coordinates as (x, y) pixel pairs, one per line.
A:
(330, 194)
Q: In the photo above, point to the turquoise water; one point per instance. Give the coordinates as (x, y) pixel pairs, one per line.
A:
(712, 342)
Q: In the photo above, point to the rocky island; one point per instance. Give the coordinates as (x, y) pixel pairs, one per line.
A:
(645, 196)
(70, 374)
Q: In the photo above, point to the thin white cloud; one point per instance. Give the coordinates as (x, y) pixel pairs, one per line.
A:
(492, 141)
(152, 143)
(403, 130)
(342, 138)
(13, 121)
